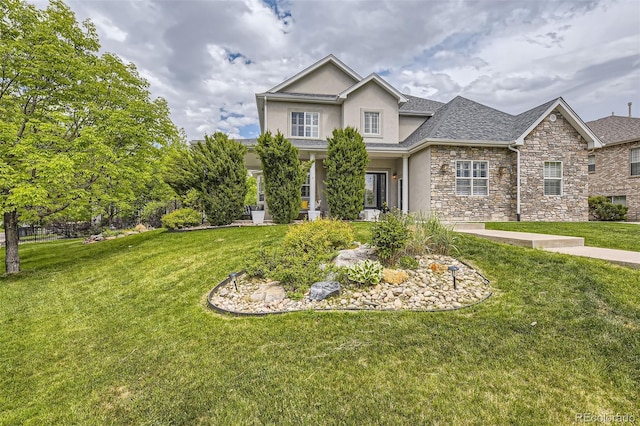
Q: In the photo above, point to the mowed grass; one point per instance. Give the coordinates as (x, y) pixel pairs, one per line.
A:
(614, 235)
(118, 333)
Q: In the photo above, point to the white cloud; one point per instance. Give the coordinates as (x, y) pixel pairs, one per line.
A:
(209, 58)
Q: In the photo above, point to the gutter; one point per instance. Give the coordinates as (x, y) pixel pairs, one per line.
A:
(517, 151)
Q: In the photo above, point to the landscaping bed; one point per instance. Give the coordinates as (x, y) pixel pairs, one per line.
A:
(427, 288)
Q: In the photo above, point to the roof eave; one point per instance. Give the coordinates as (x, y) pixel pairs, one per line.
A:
(592, 140)
(457, 142)
(417, 113)
(330, 58)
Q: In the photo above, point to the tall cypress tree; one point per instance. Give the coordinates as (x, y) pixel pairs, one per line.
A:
(346, 165)
(283, 176)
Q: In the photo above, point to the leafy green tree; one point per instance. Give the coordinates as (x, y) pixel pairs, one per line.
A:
(283, 176)
(216, 169)
(252, 191)
(78, 131)
(346, 165)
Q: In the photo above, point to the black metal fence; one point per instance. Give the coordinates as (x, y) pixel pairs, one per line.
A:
(58, 231)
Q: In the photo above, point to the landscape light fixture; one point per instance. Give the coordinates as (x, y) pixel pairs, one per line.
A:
(234, 279)
(453, 270)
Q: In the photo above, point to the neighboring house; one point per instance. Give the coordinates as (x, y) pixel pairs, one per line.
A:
(462, 160)
(614, 170)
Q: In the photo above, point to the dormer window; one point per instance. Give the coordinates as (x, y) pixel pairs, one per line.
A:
(371, 123)
(305, 124)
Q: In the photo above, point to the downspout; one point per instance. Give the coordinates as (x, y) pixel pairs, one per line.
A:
(265, 113)
(517, 151)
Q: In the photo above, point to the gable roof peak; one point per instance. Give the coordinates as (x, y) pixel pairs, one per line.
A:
(327, 59)
(378, 80)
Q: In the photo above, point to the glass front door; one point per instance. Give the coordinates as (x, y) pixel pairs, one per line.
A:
(375, 190)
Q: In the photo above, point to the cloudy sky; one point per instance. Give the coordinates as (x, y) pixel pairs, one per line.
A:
(208, 58)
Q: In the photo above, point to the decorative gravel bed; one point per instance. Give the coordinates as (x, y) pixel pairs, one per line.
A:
(428, 288)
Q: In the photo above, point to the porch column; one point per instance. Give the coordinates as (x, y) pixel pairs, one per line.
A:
(312, 182)
(405, 184)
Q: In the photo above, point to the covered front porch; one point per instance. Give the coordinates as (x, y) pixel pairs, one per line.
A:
(386, 183)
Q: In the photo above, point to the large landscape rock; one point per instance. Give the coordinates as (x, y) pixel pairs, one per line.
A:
(356, 255)
(323, 289)
(394, 276)
(268, 293)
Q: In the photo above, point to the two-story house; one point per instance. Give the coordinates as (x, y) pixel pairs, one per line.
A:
(462, 160)
(614, 170)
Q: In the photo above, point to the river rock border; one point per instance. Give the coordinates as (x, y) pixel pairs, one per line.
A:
(428, 289)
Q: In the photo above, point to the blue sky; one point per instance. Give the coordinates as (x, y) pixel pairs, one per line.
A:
(208, 58)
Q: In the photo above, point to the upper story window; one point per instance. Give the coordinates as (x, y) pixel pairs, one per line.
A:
(592, 164)
(552, 178)
(472, 178)
(371, 122)
(305, 124)
(635, 162)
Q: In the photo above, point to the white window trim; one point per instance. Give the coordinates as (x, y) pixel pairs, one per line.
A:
(631, 163)
(589, 163)
(473, 179)
(561, 179)
(306, 184)
(298, 111)
(363, 111)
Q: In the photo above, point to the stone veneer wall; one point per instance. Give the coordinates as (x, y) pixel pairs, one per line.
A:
(554, 141)
(613, 176)
(499, 205)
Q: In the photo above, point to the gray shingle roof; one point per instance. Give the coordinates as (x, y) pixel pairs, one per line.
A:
(614, 129)
(416, 104)
(466, 120)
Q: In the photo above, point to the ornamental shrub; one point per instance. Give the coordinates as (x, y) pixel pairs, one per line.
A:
(601, 208)
(296, 263)
(283, 176)
(181, 218)
(346, 164)
(367, 272)
(321, 236)
(390, 235)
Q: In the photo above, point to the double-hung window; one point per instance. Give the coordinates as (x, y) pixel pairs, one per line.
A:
(635, 162)
(305, 124)
(472, 178)
(552, 178)
(592, 164)
(371, 122)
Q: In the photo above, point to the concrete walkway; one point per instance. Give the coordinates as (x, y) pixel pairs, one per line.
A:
(556, 243)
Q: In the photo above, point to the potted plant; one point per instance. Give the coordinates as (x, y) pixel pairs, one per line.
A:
(257, 214)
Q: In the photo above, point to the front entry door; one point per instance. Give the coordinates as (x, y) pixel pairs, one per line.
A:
(375, 190)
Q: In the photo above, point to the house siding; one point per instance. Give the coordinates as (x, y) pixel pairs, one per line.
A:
(326, 80)
(613, 176)
(554, 141)
(420, 181)
(499, 205)
(279, 117)
(371, 97)
(408, 125)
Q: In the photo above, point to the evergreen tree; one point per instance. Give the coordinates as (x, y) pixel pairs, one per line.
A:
(283, 176)
(346, 164)
(216, 169)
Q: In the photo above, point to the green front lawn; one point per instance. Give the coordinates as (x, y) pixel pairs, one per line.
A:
(622, 236)
(117, 333)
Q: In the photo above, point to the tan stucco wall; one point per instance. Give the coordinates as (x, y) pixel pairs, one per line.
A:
(613, 176)
(408, 125)
(420, 181)
(279, 117)
(371, 97)
(554, 141)
(326, 80)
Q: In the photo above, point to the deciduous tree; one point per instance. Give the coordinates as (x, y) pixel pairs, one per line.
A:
(76, 128)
